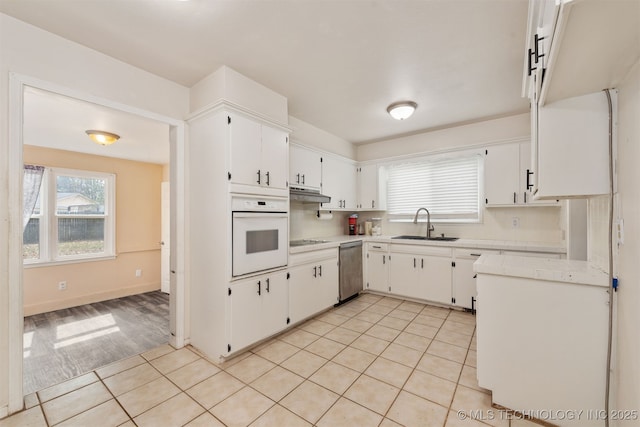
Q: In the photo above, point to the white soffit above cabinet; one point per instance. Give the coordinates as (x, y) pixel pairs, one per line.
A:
(339, 63)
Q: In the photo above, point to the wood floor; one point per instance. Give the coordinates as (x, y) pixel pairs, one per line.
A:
(66, 343)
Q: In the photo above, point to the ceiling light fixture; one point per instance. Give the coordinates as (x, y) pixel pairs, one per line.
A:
(402, 110)
(102, 137)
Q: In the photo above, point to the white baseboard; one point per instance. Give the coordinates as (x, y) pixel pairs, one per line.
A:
(48, 306)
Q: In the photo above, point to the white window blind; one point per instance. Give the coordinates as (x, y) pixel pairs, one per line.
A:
(448, 187)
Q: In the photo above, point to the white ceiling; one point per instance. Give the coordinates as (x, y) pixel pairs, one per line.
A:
(56, 121)
(339, 63)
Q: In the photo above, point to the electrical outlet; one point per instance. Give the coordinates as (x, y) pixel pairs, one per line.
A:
(62, 285)
(138, 273)
(515, 222)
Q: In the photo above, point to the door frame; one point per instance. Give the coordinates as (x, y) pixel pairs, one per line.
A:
(177, 143)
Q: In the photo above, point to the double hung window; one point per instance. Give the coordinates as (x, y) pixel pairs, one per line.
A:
(73, 218)
(448, 186)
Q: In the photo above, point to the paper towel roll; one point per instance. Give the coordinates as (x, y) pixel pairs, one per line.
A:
(324, 216)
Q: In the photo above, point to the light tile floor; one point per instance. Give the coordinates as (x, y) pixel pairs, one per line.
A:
(375, 361)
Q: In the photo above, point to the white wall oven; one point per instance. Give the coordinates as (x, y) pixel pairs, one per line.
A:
(260, 233)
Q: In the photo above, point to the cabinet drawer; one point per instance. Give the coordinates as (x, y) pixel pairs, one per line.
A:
(421, 250)
(473, 253)
(312, 256)
(377, 247)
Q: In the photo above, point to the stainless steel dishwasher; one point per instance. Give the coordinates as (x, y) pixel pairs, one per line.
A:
(350, 270)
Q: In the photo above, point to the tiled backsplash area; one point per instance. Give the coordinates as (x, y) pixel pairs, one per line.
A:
(305, 224)
(539, 224)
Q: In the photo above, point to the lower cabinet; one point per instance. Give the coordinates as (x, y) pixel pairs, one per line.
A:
(313, 284)
(463, 286)
(258, 308)
(422, 272)
(376, 267)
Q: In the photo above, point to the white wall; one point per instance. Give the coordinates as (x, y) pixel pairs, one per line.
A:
(229, 85)
(306, 134)
(32, 52)
(627, 376)
(539, 224)
(445, 139)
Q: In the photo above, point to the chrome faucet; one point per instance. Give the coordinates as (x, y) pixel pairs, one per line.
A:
(429, 226)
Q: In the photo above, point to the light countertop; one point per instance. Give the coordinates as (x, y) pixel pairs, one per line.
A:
(556, 270)
(505, 245)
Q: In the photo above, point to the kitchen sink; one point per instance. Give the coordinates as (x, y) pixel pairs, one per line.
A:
(437, 238)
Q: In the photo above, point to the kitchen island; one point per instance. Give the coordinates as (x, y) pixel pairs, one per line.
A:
(542, 337)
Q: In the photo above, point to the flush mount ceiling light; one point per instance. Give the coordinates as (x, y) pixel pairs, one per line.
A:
(402, 110)
(102, 137)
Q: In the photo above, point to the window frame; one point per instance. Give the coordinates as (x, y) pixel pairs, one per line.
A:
(436, 157)
(48, 225)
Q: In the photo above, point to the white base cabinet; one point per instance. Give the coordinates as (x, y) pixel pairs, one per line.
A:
(542, 345)
(422, 272)
(376, 265)
(463, 279)
(258, 309)
(313, 283)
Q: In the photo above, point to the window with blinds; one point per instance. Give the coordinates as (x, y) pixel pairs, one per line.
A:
(448, 187)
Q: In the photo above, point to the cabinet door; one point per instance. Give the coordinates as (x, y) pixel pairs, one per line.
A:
(305, 167)
(275, 157)
(501, 169)
(301, 292)
(464, 283)
(404, 275)
(368, 187)
(435, 279)
(245, 143)
(275, 297)
(573, 148)
(377, 271)
(245, 327)
(339, 183)
(326, 284)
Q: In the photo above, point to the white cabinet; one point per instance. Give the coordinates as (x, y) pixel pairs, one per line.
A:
(559, 323)
(258, 309)
(573, 147)
(339, 183)
(376, 267)
(463, 280)
(313, 284)
(371, 187)
(422, 272)
(508, 176)
(305, 167)
(259, 153)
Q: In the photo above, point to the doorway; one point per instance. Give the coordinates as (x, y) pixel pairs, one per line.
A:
(18, 84)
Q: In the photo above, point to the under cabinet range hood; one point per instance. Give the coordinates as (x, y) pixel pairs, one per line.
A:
(305, 195)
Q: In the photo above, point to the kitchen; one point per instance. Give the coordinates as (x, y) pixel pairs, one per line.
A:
(520, 226)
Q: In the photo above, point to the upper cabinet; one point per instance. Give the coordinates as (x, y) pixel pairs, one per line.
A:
(371, 181)
(305, 167)
(508, 176)
(259, 153)
(572, 147)
(583, 46)
(339, 183)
